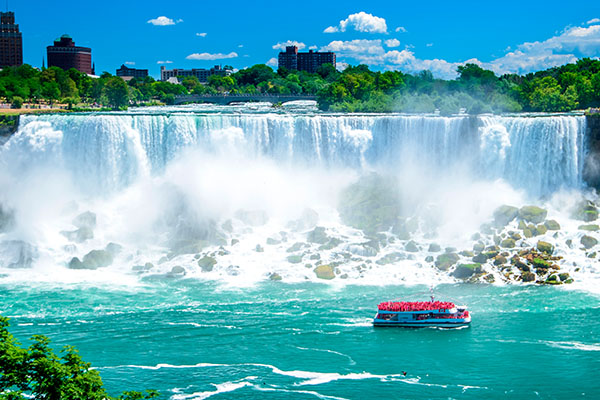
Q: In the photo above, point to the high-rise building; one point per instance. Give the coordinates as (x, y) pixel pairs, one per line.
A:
(11, 42)
(66, 55)
(309, 62)
(126, 72)
(200, 73)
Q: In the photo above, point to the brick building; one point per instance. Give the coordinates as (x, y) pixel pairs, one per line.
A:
(131, 72)
(11, 42)
(309, 62)
(66, 55)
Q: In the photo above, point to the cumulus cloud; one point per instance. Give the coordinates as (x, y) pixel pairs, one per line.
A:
(401, 29)
(201, 34)
(392, 43)
(429, 45)
(272, 62)
(164, 62)
(283, 45)
(163, 21)
(211, 56)
(593, 21)
(129, 62)
(313, 48)
(360, 22)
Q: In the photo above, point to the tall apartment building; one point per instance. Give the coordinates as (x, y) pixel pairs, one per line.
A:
(66, 55)
(200, 73)
(309, 62)
(11, 42)
(125, 71)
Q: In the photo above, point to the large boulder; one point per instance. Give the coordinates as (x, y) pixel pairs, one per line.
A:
(533, 214)
(391, 258)
(446, 260)
(585, 211)
(324, 272)
(464, 271)
(318, 235)
(294, 259)
(504, 214)
(93, 260)
(371, 204)
(552, 225)
(589, 227)
(507, 243)
(85, 220)
(207, 263)
(545, 247)
(17, 254)
(588, 241)
(528, 276)
(79, 235)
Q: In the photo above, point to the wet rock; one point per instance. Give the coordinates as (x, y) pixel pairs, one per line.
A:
(318, 235)
(308, 220)
(80, 235)
(252, 217)
(371, 204)
(500, 260)
(476, 236)
(324, 272)
(234, 242)
(259, 248)
(533, 214)
(528, 276)
(176, 271)
(315, 256)
(296, 247)
(7, 219)
(272, 241)
(522, 225)
(541, 229)
(411, 247)
(552, 225)
(569, 243)
(588, 241)
(478, 247)
(564, 276)
(446, 260)
(143, 268)
(545, 247)
(207, 263)
(331, 244)
(552, 280)
(464, 271)
(294, 259)
(275, 276)
(93, 260)
(391, 258)
(466, 253)
(489, 278)
(429, 259)
(227, 226)
(585, 211)
(480, 258)
(85, 220)
(17, 254)
(504, 214)
(589, 227)
(527, 233)
(508, 243)
(113, 248)
(434, 248)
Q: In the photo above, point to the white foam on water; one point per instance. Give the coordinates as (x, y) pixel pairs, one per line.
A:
(220, 388)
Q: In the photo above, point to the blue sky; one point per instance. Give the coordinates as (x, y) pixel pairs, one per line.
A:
(507, 36)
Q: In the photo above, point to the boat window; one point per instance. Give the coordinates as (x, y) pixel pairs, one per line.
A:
(388, 317)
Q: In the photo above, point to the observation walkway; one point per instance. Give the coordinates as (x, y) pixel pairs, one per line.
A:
(225, 99)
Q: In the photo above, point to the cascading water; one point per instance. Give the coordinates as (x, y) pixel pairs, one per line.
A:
(175, 177)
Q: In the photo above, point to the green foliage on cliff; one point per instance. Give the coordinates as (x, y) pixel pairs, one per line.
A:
(37, 372)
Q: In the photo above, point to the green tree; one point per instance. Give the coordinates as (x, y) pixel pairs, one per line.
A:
(50, 91)
(116, 92)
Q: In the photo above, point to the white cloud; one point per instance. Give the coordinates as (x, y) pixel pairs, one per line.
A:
(179, 21)
(593, 21)
(240, 45)
(129, 62)
(401, 29)
(313, 48)
(164, 62)
(429, 45)
(201, 34)
(163, 21)
(272, 62)
(283, 45)
(209, 56)
(340, 66)
(360, 22)
(392, 43)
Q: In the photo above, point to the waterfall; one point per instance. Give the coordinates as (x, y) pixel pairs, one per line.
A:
(107, 152)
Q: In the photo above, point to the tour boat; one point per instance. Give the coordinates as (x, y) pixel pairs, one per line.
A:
(417, 314)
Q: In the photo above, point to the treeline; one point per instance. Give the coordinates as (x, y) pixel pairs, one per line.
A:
(36, 372)
(356, 89)
(475, 90)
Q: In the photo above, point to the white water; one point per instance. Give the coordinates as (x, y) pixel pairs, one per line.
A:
(152, 179)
